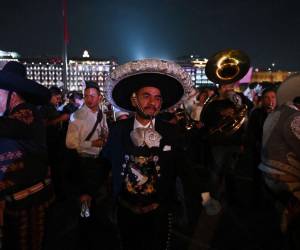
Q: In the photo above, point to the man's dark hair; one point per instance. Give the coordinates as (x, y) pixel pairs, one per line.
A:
(296, 100)
(75, 95)
(267, 90)
(54, 90)
(92, 84)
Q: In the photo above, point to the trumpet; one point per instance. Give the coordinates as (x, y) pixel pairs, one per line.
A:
(183, 115)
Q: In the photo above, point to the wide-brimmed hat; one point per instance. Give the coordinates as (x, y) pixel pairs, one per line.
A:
(13, 78)
(171, 79)
(289, 89)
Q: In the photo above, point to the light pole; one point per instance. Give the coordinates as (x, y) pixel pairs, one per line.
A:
(65, 46)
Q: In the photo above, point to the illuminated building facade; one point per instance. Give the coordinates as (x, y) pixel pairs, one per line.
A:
(7, 56)
(270, 76)
(49, 72)
(195, 66)
(84, 69)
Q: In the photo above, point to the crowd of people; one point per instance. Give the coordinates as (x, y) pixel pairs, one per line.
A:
(139, 167)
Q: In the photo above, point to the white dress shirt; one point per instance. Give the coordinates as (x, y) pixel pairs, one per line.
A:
(81, 124)
(137, 124)
(196, 112)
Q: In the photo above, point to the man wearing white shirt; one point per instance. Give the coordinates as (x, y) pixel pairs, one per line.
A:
(87, 135)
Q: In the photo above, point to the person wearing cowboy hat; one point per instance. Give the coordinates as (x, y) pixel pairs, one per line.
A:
(25, 190)
(143, 151)
(280, 159)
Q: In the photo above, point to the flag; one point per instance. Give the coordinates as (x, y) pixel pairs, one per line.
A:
(65, 16)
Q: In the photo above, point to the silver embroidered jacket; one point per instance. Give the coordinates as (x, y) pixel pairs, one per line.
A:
(281, 141)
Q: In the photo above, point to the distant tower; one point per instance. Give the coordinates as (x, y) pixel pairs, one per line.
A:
(86, 54)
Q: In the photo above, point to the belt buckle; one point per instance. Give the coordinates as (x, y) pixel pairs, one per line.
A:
(149, 208)
(139, 209)
(146, 209)
(141, 160)
(88, 155)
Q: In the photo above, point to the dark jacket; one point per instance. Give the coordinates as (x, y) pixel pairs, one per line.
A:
(23, 152)
(171, 159)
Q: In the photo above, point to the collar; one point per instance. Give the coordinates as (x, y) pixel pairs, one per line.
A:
(84, 107)
(137, 124)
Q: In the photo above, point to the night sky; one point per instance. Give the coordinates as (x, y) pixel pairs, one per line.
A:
(267, 30)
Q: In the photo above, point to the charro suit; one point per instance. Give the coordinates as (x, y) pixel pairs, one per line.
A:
(24, 184)
(170, 159)
(144, 184)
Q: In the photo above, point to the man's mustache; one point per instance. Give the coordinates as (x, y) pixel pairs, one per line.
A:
(151, 107)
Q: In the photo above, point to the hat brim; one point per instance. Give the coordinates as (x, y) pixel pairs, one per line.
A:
(171, 79)
(30, 90)
(170, 88)
(289, 89)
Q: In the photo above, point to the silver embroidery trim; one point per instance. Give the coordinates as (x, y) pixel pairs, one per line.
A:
(295, 126)
(143, 66)
(269, 125)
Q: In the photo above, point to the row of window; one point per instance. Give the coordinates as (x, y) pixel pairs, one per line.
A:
(94, 73)
(69, 79)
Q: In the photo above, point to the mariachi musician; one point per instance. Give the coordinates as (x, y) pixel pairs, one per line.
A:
(25, 188)
(144, 152)
(224, 114)
(280, 158)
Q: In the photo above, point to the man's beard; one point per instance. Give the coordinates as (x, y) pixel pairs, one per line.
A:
(144, 115)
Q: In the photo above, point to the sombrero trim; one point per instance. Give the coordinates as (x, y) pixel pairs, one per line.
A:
(147, 66)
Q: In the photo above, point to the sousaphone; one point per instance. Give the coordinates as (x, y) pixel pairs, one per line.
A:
(226, 67)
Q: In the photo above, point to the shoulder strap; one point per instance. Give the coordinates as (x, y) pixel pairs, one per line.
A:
(99, 119)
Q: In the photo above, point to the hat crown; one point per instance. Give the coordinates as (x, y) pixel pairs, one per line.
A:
(13, 78)
(172, 80)
(15, 68)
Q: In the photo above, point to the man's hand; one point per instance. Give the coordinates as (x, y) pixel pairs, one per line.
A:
(98, 143)
(86, 198)
(199, 124)
(61, 118)
(64, 117)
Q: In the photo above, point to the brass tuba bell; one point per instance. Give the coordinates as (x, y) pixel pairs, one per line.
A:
(226, 67)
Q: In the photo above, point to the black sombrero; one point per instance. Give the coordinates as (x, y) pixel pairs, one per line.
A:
(173, 82)
(13, 78)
